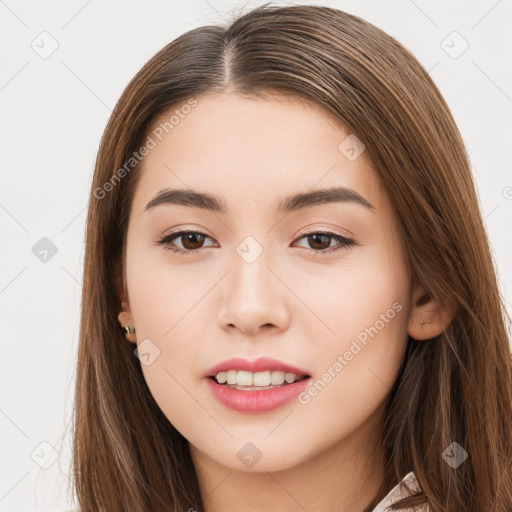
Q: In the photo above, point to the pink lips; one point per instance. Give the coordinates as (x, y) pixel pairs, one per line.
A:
(259, 365)
(255, 401)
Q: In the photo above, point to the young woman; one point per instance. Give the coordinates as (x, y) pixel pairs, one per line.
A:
(289, 299)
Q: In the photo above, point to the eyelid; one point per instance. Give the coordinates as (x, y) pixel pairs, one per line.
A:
(186, 228)
(328, 229)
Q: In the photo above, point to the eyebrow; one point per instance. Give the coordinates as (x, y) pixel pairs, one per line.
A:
(205, 201)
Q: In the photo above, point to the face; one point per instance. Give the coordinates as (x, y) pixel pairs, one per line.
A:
(323, 287)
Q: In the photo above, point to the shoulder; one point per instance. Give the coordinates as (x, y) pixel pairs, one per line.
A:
(404, 488)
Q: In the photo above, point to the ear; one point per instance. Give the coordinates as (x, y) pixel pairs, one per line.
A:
(120, 287)
(124, 317)
(425, 308)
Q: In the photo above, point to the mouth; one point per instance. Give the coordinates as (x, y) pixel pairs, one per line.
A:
(237, 391)
(260, 369)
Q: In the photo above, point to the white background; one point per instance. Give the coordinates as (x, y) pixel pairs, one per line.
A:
(53, 113)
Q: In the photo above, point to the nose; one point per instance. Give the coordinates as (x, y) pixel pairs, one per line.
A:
(255, 299)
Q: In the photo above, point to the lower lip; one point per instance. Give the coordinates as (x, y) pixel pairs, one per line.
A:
(256, 401)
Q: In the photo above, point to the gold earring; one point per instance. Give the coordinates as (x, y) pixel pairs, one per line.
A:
(124, 319)
(425, 322)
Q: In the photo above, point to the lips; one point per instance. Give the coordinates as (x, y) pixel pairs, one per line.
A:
(259, 365)
(255, 402)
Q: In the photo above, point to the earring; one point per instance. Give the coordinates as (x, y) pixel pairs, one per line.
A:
(425, 322)
(124, 319)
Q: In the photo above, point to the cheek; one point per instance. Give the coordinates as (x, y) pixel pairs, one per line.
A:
(352, 294)
(170, 308)
(363, 311)
(165, 291)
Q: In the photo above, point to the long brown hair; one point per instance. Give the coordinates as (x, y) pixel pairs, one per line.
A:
(456, 387)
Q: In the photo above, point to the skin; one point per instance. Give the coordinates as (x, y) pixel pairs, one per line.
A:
(291, 303)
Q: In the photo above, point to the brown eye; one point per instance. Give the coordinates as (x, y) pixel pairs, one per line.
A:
(320, 242)
(191, 241)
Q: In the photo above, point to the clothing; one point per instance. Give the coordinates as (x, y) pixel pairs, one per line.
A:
(398, 492)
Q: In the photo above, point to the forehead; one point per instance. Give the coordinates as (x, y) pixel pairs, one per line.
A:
(251, 148)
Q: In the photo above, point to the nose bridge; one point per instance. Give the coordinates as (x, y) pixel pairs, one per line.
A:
(251, 275)
(252, 295)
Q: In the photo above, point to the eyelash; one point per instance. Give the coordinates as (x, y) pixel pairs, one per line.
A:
(343, 242)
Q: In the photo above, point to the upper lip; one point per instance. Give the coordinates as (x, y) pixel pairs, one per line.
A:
(258, 365)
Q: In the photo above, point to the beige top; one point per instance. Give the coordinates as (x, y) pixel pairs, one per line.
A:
(398, 492)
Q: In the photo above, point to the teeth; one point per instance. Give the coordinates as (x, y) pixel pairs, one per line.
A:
(244, 378)
(277, 378)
